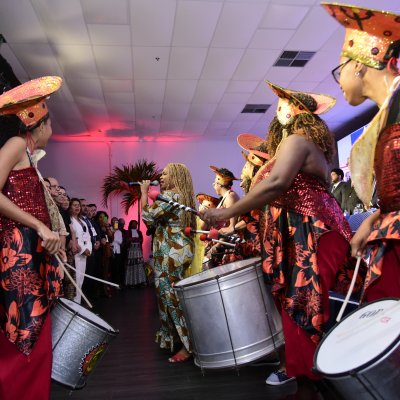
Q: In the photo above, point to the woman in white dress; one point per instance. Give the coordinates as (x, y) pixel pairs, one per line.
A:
(84, 243)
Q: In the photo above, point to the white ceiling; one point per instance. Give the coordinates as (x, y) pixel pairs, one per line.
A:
(147, 69)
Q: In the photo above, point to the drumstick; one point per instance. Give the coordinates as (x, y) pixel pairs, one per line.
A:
(94, 278)
(350, 291)
(72, 281)
(204, 238)
(214, 234)
(189, 231)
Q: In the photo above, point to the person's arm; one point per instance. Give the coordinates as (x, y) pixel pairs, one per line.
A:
(12, 154)
(231, 199)
(151, 213)
(289, 160)
(240, 225)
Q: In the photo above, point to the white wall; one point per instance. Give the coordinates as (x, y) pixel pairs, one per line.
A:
(81, 166)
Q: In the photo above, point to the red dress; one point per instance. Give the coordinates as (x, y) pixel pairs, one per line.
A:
(306, 253)
(29, 279)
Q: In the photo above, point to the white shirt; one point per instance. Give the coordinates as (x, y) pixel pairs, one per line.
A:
(82, 234)
(116, 244)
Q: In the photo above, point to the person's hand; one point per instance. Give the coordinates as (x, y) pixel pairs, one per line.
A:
(359, 240)
(144, 187)
(227, 231)
(63, 256)
(86, 253)
(213, 215)
(50, 240)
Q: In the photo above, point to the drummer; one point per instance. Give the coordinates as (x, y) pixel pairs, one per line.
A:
(306, 237)
(205, 202)
(370, 69)
(29, 274)
(223, 183)
(248, 225)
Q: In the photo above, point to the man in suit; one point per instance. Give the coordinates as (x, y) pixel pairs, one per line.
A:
(338, 187)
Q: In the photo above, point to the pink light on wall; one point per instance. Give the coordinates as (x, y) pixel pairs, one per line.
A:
(102, 137)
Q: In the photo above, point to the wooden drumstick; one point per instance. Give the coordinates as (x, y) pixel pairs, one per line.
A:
(73, 281)
(94, 278)
(205, 237)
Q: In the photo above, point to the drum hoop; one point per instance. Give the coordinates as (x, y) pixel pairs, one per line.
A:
(366, 365)
(217, 277)
(111, 331)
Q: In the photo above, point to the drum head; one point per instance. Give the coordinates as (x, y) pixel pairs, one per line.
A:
(220, 271)
(86, 314)
(363, 338)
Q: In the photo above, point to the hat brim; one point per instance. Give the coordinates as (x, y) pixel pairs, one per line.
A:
(249, 142)
(324, 101)
(28, 94)
(203, 196)
(218, 171)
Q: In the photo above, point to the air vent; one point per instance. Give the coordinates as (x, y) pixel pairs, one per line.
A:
(255, 108)
(294, 58)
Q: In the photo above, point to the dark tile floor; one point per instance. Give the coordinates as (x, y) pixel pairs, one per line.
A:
(136, 368)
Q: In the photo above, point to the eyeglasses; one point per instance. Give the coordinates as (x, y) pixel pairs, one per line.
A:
(336, 72)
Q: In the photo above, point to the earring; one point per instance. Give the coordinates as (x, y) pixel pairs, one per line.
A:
(357, 74)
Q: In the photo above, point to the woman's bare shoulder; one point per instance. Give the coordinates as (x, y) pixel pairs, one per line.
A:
(16, 142)
(13, 149)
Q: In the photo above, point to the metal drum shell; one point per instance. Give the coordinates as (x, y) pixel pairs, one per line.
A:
(231, 315)
(78, 339)
(379, 378)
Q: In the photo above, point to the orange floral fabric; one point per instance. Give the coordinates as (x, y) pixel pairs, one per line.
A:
(29, 276)
(28, 279)
(292, 225)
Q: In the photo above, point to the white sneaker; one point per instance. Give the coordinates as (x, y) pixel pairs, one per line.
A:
(279, 378)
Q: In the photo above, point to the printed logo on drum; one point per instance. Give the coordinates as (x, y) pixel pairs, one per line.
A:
(91, 357)
(369, 314)
(385, 320)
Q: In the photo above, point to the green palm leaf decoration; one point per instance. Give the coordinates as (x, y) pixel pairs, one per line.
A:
(118, 182)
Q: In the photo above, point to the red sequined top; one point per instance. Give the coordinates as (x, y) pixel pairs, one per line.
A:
(387, 167)
(24, 189)
(307, 195)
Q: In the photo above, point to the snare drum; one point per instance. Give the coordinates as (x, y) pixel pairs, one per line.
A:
(230, 314)
(361, 355)
(80, 339)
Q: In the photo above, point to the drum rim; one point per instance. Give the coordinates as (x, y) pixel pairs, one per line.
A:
(113, 331)
(212, 278)
(365, 365)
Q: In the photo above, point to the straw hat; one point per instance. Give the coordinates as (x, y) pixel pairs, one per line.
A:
(250, 143)
(27, 101)
(372, 36)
